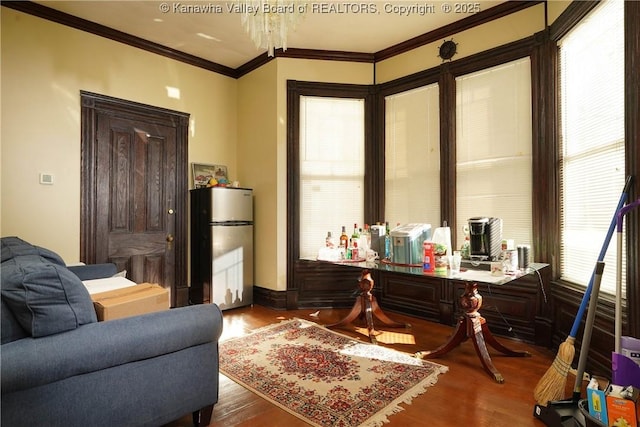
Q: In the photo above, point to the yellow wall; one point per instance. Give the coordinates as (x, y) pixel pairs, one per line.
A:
(240, 123)
(555, 8)
(44, 67)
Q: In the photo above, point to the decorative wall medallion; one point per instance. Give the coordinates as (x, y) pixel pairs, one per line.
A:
(447, 49)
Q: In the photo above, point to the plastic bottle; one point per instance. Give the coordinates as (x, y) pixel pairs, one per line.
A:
(465, 250)
(428, 260)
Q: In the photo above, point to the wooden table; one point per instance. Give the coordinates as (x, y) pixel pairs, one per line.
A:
(470, 324)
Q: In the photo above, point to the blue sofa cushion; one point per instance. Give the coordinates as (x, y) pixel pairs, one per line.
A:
(45, 298)
(14, 247)
(94, 271)
(11, 329)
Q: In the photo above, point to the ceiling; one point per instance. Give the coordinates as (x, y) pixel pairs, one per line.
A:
(216, 34)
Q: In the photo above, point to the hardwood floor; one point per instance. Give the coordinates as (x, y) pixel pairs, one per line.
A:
(464, 396)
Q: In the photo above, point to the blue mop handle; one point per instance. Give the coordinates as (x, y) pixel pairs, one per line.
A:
(603, 251)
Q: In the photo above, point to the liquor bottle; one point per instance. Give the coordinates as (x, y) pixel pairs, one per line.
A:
(344, 239)
(329, 240)
(387, 242)
(365, 239)
(354, 251)
(356, 233)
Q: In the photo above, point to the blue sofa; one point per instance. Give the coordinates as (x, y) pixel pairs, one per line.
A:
(60, 367)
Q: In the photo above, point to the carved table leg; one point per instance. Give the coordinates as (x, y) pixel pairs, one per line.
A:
(379, 314)
(481, 349)
(368, 299)
(489, 338)
(367, 305)
(356, 310)
(458, 337)
(473, 325)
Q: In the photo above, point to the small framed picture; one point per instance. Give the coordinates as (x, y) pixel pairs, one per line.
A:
(203, 174)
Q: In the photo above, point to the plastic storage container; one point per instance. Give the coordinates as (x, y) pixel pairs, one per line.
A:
(586, 420)
(407, 243)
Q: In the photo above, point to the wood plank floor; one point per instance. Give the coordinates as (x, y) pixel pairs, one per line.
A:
(464, 396)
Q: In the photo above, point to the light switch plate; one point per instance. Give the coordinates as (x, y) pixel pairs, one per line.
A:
(46, 178)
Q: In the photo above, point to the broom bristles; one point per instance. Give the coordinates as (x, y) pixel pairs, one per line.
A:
(552, 384)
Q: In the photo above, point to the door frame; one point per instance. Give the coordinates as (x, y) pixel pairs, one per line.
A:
(93, 104)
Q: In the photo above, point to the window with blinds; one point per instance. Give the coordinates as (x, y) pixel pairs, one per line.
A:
(331, 169)
(592, 141)
(493, 148)
(412, 157)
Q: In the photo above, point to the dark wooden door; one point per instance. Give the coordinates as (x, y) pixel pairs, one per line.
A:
(134, 188)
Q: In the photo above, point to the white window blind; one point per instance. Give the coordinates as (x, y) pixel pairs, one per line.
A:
(493, 148)
(331, 169)
(412, 157)
(592, 141)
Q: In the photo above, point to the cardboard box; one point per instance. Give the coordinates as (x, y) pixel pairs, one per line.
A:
(621, 408)
(130, 301)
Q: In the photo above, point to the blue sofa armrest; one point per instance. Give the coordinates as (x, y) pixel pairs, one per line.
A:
(31, 362)
(93, 271)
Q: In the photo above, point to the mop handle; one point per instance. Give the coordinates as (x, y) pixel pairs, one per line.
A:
(588, 327)
(603, 251)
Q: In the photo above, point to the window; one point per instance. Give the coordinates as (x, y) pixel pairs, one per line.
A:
(493, 148)
(592, 141)
(332, 167)
(412, 157)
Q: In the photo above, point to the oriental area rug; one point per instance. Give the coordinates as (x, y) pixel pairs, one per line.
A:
(325, 378)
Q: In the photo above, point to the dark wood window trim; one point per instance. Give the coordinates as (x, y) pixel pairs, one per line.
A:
(632, 136)
(296, 89)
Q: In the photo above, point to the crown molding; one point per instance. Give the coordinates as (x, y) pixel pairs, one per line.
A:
(53, 15)
(441, 33)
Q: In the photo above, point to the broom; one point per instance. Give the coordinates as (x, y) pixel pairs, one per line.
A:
(552, 384)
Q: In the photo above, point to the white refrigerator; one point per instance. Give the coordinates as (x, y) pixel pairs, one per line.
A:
(222, 246)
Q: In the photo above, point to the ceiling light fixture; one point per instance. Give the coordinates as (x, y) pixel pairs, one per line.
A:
(268, 22)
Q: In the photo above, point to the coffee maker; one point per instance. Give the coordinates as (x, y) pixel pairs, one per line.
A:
(485, 238)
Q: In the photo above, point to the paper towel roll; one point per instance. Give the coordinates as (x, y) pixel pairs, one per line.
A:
(442, 236)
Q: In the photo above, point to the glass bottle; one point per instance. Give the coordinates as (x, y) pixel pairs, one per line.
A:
(354, 251)
(387, 241)
(344, 239)
(356, 233)
(329, 240)
(365, 238)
